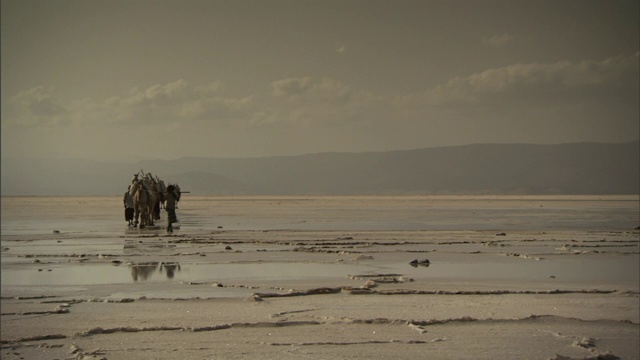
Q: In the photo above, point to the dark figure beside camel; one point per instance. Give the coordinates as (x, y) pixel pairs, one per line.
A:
(170, 200)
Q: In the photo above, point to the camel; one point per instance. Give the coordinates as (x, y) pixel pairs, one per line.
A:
(144, 201)
(148, 195)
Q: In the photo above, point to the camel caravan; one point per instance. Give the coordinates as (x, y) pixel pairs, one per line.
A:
(144, 199)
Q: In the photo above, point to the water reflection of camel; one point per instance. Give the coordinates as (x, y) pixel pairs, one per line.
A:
(143, 271)
(170, 268)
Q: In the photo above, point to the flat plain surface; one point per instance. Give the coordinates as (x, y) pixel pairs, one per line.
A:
(323, 278)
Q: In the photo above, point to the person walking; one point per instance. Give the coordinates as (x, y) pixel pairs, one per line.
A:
(170, 207)
(128, 207)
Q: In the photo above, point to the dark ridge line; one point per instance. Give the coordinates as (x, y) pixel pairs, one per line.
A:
(599, 245)
(606, 356)
(358, 291)
(34, 338)
(74, 301)
(62, 301)
(607, 241)
(127, 329)
(315, 242)
(326, 251)
(561, 253)
(321, 343)
(589, 252)
(356, 277)
(35, 297)
(80, 256)
(57, 311)
(312, 250)
(291, 312)
(316, 291)
(367, 291)
(352, 243)
(412, 323)
(270, 324)
(526, 318)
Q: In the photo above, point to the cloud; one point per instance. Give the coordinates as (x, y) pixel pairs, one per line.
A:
(327, 101)
(538, 83)
(177, 101)
(159, 94)
(209, 89)
(304, 88)
(35, 106)
(299, 100)
(308, 101)
(159, 103)
(291, 87)
(341, 49)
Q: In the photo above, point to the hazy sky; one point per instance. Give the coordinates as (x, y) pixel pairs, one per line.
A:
(132, 79)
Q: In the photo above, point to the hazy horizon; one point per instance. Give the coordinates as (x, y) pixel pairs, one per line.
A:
(153, 158)
(128, 80)
(577, 168)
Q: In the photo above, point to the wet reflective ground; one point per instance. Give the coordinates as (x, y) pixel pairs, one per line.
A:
(271, 242)
(105, 215)
(323, 277)
(473, 267)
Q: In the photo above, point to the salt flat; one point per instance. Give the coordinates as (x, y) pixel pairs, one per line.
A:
(323, 277)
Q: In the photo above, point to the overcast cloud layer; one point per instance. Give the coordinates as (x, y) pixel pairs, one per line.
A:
(124, 80)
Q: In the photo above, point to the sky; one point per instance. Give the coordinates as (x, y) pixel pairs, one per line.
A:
(125, 80)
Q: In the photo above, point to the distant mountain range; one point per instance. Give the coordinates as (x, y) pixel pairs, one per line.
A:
(577, 168)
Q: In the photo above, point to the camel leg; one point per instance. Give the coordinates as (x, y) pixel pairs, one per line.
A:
(145, 218)
(138, 219)
(151, 216)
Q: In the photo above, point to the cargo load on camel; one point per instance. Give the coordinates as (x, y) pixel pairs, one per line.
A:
(147, 194)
